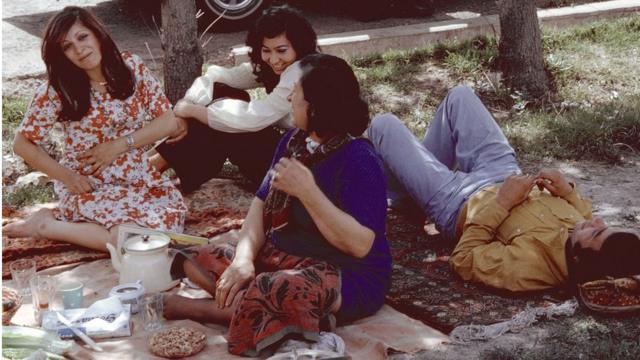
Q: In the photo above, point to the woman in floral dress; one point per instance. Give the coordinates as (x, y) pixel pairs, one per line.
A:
(102, 99)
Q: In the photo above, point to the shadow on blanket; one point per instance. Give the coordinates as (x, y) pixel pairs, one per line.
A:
(423, 285)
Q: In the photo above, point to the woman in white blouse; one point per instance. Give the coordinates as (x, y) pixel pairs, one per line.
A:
(220, 121)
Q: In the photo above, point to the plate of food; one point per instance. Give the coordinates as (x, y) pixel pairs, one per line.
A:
(11, 301)
(612, 296)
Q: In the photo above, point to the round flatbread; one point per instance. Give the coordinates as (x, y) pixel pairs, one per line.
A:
(177, 342)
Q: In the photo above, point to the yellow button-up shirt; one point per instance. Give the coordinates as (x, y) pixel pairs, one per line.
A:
(518, 250)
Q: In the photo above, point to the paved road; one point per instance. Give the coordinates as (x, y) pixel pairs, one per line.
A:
(24, 20)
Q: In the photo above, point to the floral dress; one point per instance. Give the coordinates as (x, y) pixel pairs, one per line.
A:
(129, 190)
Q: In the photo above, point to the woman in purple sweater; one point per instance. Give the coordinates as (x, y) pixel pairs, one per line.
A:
(312, 248)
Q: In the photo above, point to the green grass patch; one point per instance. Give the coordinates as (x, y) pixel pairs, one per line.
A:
(604, 132)
(13, 110)
(28, 195)
(594, 114)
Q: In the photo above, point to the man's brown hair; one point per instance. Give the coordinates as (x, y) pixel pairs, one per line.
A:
(619, 256)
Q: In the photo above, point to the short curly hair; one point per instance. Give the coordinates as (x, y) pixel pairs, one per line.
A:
(274, 21)
(619, 256)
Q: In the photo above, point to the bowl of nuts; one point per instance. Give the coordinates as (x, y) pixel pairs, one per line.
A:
(611, 296)
(11, 301)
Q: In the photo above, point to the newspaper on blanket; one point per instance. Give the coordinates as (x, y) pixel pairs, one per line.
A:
(107, 318)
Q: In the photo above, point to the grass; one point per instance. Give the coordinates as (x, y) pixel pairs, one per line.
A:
(593, 115)
(606, 132)
(28, 195)
(12, 112)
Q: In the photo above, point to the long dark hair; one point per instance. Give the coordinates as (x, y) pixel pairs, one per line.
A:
(274, 21)
(333, 93)
(71, 82)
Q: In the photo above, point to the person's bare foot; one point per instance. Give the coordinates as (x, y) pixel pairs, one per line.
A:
(33, 226)
(176, 307)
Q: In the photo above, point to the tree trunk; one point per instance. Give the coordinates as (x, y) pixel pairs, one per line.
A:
(182, 54)
(520, 52)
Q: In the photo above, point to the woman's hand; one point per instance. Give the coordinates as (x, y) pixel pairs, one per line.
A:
(100, 156)
(76, 183)
(181, 131)
(234, 278)
(182, 108)
(292, 177)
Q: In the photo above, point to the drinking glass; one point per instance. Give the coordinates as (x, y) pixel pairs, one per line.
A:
(22, 271)
(150, 309)
(43, 291)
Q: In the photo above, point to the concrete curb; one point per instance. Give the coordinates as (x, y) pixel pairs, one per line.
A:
(365, 42)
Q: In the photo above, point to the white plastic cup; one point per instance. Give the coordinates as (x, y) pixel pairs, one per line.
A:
(71, 294)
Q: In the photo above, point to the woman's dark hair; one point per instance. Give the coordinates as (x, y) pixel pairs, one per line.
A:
(333, 93)
(274, 21)
(71, 82)
(619, 256)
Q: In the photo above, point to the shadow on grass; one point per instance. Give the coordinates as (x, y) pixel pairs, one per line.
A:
(604, 132)
(581, 337)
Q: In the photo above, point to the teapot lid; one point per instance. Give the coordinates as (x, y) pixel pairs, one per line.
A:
(143, 243)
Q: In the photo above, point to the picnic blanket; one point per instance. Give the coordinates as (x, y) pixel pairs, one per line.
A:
(370, 338)
(423, 285)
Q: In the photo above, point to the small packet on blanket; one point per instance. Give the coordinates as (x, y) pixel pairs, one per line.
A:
(107, 318)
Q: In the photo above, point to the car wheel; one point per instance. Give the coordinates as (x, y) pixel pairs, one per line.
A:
(236, 14)
(368, 10)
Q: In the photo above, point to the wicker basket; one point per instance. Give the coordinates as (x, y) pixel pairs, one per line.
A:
(613, 296)
(15, 299)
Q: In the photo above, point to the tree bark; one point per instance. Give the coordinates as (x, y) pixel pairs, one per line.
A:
(521, 57)
(182, 55)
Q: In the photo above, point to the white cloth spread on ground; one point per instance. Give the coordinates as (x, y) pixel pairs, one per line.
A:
(368, 338)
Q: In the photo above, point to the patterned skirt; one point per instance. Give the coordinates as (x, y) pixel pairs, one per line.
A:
(290, 295)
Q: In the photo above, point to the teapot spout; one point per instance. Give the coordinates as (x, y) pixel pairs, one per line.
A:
(115, 257)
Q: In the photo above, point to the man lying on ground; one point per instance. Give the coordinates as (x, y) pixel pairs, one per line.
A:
(513, 231)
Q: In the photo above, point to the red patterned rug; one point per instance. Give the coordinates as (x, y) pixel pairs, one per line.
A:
(425, 288)
(219, 206)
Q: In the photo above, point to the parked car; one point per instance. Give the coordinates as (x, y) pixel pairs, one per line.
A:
(238, 14)
(234, 14)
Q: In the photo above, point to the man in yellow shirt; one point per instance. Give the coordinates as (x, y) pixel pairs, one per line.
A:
(513, 231)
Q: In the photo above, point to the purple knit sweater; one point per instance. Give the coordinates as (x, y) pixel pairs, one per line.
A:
(352, 178)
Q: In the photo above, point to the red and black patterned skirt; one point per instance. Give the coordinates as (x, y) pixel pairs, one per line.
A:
(289, 295)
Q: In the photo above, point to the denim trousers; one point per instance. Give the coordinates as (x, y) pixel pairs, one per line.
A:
(463, 151)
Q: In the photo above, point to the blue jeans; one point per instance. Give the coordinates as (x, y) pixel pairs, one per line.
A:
(463, 151)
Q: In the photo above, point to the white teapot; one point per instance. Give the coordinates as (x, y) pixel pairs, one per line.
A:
(145, 258)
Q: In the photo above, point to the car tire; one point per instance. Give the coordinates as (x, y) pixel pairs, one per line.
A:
(368, 10)
(239, 13)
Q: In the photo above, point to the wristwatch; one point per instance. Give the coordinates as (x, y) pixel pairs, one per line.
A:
(130, 142)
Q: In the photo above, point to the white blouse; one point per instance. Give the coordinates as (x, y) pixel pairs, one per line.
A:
(233, 116)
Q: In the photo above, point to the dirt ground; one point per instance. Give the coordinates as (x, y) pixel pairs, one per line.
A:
(614, 189)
